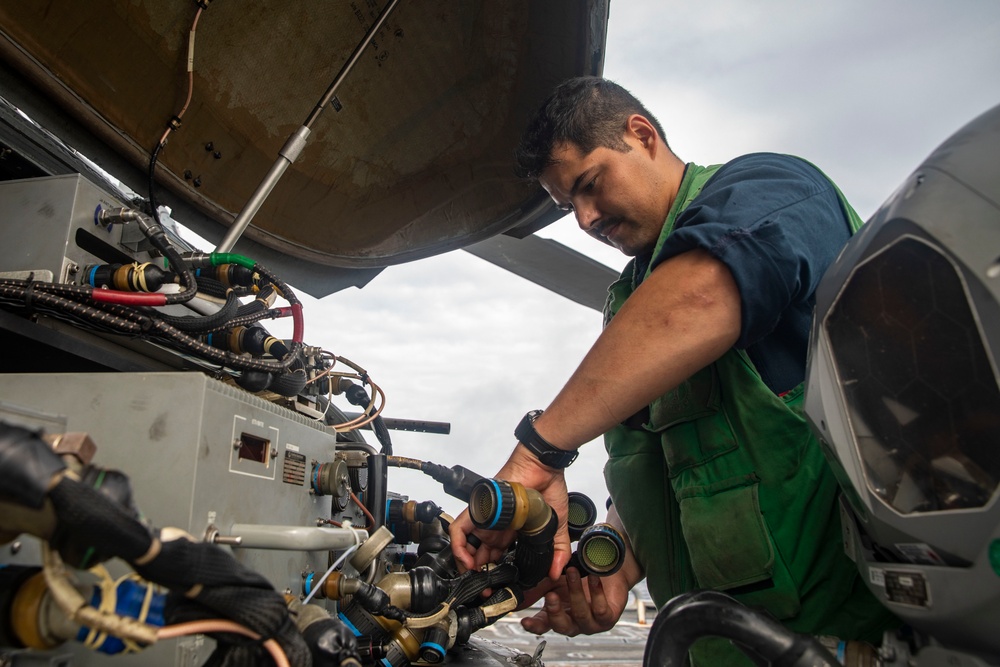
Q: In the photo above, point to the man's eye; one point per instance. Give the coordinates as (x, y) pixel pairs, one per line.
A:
(589, 187)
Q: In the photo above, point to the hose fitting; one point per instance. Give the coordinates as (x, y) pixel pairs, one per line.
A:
(498, 505)
(582, 514)
(434, 644)
(145, 277)
(600, 551)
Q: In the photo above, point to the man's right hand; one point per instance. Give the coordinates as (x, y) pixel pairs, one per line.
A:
(522, 467)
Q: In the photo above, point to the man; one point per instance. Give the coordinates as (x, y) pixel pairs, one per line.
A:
(696, 379)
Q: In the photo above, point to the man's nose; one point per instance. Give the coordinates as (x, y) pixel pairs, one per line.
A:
(586, 216)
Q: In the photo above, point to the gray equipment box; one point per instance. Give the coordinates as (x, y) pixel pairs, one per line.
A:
(200, 454)
(56, 235)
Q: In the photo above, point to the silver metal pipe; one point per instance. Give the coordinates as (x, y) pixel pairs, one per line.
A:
(286, 156)
(358, 50)
(293, 147)
(295, 538)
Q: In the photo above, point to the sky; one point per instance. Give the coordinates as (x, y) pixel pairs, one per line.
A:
(864, 89)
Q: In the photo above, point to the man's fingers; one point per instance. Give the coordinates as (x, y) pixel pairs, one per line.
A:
(578, 603)
(561, 555)
(459, 546)
(598, 600)
(537, 624)
(559, 618)
(487, 554)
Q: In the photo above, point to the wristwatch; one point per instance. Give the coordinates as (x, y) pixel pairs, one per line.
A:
(543, 450)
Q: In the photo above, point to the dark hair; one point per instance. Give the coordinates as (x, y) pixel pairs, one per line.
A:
(589, 112)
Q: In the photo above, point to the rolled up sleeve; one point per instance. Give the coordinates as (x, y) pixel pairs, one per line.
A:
(777, 222)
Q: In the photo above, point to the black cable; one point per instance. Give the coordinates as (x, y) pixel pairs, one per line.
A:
(212, 287)
(698, 614)
(282, 286)
(245, 320)
(356, 395)
(533, 553)
(456, 481)
(203, 324)
(289, 384)
(25, 468)
(86, 312)
(262, 301)
(124, 320)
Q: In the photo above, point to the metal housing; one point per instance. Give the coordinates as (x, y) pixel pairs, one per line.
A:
(412, 157)
(929, 562)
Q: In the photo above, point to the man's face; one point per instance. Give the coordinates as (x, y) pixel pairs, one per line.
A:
(617, 197)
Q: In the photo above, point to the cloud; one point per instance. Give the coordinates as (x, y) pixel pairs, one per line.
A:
(864, 90)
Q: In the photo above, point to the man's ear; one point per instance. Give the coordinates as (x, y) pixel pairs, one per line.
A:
(639, 127)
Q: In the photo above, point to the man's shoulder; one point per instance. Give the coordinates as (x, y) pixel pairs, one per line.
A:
(792, 164)
(766, 170)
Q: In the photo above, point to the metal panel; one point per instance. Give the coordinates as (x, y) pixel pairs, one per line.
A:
(45, 216)
(173, 434)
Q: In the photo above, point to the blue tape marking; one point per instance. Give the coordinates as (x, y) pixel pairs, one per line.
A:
(129, 599)
(434, 645)
(499, 505)
(841, 650)
(315, 482)
(309, 582)
(387, 663)
(93, 273)
(350, 626)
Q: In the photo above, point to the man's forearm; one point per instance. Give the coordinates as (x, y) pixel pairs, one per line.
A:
(684, 316)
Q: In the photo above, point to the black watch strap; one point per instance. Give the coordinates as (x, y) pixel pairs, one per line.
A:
(543, 450)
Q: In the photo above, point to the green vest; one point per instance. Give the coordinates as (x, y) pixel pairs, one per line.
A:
(726, 488)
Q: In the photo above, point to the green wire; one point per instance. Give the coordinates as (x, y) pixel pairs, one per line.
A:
(232, 258)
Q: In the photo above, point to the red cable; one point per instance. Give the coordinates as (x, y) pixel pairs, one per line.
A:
(128, 298)
(298, 328)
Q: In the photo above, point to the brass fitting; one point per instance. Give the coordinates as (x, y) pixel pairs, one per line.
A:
(77, 445)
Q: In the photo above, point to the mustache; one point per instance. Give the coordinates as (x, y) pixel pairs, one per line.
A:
(604, 225)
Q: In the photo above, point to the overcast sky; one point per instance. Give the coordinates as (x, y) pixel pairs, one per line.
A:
(864, 89)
